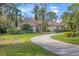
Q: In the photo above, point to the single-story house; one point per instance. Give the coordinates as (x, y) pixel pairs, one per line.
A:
(51, 25)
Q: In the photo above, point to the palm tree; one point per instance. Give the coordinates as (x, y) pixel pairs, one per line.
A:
(43, 12)
(36, 12)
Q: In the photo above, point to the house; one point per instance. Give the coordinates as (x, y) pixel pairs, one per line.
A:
(52, 26)
(30, 22)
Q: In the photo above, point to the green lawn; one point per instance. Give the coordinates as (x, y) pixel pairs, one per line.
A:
(20, 45)
(72, 40)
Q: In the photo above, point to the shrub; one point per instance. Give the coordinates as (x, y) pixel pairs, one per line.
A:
(71, 34)
(14, 31)
(66, 34)
(60, 30)
(48, 30)
(27, 28)
(11, 31)
(19, 32)
(77, 34)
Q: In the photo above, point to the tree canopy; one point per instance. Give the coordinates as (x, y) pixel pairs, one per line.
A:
(71, 18)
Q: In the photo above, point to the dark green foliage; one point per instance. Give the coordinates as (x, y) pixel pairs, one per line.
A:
(27, 28)
(3, 26)
(2, 30)
(47, 30)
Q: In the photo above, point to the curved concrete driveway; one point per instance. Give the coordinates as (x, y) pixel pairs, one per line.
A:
(55, 46)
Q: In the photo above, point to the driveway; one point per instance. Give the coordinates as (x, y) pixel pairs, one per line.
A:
(58, 47)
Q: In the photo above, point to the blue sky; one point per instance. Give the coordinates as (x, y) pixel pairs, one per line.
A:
(58, 8)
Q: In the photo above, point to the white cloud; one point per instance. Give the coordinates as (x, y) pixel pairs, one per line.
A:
(26, 10)
(54, 9)
(50, 7)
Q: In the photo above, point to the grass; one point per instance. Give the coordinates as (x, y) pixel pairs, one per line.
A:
(20, 45)
(73, 40)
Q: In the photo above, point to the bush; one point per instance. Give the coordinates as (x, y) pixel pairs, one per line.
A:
(27, 28)
(60, 30)
(11, 31)
(14, 31)
(77, 34)
(48, 30)
(71, 34)
(66, 34)
(19, 32)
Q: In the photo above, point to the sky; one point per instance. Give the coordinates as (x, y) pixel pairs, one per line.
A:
(58, 8)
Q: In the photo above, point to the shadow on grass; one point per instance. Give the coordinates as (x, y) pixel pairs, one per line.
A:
(24, 49)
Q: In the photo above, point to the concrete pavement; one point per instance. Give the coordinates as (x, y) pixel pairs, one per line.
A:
(58, 47)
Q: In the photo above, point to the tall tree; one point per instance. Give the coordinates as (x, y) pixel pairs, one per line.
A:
(9, 14)
(71, 18)
(36, 12)
(51, 16)
(43, 12)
